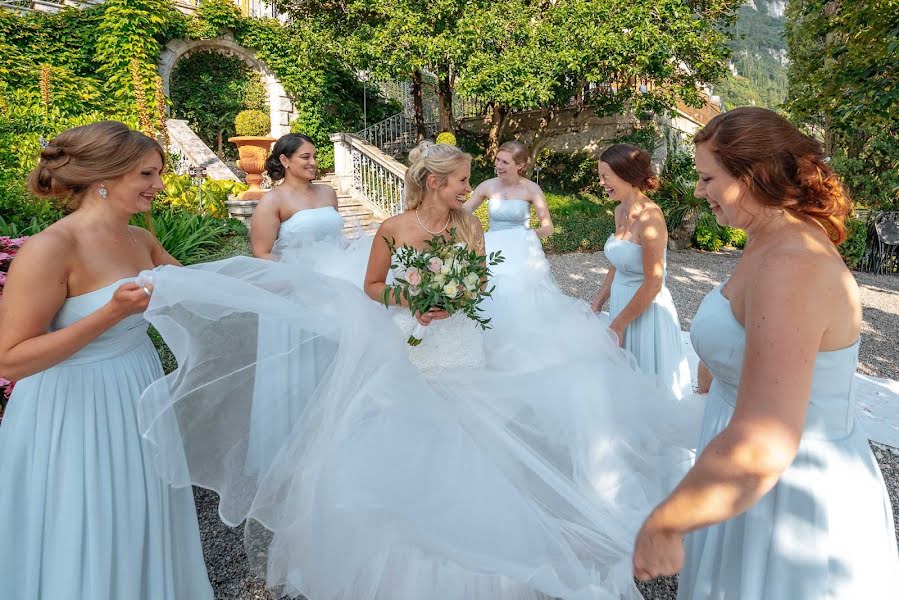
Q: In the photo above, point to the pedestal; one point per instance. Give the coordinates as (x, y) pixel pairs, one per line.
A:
(242, 210)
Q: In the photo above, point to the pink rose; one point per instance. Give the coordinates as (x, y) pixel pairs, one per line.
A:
(435, 264)
(413, 276)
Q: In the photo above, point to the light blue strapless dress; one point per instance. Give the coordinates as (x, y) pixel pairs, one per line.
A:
(654, 337)
(825, 531)
(286, 366)
(83, 512)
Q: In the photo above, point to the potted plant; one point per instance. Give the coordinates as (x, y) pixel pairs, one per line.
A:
(253, 144)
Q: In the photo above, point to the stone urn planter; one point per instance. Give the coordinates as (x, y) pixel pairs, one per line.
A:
(253, 150)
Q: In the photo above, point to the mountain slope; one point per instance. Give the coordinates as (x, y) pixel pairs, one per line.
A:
(758, 65)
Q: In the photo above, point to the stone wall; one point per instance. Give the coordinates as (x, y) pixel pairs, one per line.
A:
(574, 130)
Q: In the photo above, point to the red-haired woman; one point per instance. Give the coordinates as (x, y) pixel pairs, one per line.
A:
(785, 501)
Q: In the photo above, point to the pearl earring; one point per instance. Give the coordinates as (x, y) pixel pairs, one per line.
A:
(103, 191)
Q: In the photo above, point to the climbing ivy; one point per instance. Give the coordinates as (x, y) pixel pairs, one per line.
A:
(100, 63)
(134, 30)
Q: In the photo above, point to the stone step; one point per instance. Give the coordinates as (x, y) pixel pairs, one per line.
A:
(351, 223)
(355, 211)
(341, 202)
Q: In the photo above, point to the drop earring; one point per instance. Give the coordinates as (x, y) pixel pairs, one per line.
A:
(104, 193)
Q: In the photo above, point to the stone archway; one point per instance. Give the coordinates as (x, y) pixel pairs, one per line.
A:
(280, 107)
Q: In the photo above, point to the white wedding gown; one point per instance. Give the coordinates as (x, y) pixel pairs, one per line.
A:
(534, 324)
(408, 473)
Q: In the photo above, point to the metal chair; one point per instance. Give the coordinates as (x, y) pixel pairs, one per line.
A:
(882, 251)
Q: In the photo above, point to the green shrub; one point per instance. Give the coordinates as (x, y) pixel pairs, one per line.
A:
(707, 239)
(22, 215)
(570, 172)
(733, 237)
(853, 249)
(252, 123)
(181, 192)
(187, 236)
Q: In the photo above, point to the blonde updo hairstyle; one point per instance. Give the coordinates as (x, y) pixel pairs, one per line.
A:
(79, 157)
(439, 160)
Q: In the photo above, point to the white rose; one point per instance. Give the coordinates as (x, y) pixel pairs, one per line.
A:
(471, 281)
(451, 289)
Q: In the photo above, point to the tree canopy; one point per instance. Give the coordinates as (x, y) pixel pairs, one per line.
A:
(844, 82)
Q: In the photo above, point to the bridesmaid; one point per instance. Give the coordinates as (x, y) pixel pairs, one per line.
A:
(786, 501)
(83, 513)
(296, 208)
(642, 311)
(291, 218)
(510, 195)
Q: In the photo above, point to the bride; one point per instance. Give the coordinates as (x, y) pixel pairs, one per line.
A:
(411, 472)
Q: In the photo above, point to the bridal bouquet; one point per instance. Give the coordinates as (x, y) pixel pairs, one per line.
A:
(446, 275)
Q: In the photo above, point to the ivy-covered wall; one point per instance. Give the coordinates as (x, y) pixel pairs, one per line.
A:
(80, 66)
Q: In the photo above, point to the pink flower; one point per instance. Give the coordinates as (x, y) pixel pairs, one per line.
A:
(5, 255)
(413, 276)
(435, 264)
(2, 278)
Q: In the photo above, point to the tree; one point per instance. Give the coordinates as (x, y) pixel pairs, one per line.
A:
(519, 53)
(396, 39)
(844, 83)
(644, 55)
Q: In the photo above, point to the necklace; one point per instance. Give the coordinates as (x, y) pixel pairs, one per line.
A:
(505, 191)
(422, 225)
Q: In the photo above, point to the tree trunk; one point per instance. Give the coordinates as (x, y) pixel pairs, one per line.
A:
(445, 102)
(418, 106)
(221, 152)
(540, 138)
(498, 116)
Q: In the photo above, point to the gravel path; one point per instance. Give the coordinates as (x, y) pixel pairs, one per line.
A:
(691, 275)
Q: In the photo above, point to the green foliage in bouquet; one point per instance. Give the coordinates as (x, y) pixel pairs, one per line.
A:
(447, 275)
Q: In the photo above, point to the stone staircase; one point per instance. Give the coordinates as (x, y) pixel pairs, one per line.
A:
(356, 216)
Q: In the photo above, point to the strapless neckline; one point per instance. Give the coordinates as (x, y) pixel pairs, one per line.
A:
(618, 239)
(101, 289)
(730, 313)
(306, 210)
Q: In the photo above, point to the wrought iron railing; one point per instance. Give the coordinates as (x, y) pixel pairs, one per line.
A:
(369, 175)
(395, 135)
